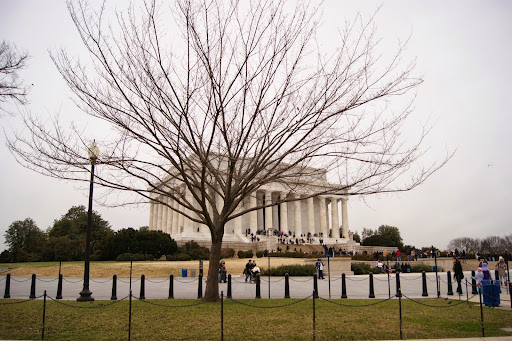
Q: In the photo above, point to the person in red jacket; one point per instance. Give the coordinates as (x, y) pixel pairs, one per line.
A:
(398, 255)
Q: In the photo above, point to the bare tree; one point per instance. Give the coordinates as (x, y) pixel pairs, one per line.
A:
(463, 243)
(241, 97)
(12, 61)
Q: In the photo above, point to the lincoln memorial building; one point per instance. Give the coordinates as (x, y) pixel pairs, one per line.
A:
(305, 218)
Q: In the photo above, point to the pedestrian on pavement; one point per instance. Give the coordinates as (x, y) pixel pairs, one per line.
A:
(320, 268)
(458, 274)
(501, 266)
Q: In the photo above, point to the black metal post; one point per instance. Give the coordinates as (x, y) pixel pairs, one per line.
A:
(200, 286)
(389, 282)
(437, 280)
(171, 286)
(130, 318)
(114, 288)
(286, 286)
(397, 284)
(467, 292)
(7, 293)
(343, 286)
(329, 273)
(59, 288)
(142, 295)
(314, 315)
(86, 294)
(400, 311)
(424, 283)
(481, 313)
(131, 268)
(315, 285)
(229, 287)
(372, 294)
(258, 288)
(509, 286)
(44, 315)
(222, 315)
(33, 287)
(268, 276)
(449, 281)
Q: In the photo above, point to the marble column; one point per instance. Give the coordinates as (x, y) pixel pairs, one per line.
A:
(188, 224)
(253, 215)
(159, 216)
(344, 217)
(311, 215)
(238, 220)
(155, 216)
(151, 213)
(284, 215)
(163, 226)
(175, 218)
(297, 217)
(168, 228)
(324, 229)
(268, 211)
(335, 218)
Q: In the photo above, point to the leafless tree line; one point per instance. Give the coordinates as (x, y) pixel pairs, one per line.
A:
(487, 245)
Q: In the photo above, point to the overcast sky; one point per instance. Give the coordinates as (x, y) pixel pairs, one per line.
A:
(463, 51)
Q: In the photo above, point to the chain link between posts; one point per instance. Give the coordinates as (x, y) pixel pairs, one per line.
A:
(86, 307)
(270, 307)
(2, 302)
(355, 305)
(169, 306)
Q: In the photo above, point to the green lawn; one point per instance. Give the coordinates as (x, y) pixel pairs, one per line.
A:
(293, 321)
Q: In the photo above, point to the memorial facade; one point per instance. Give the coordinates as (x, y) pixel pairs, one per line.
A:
(303, 218)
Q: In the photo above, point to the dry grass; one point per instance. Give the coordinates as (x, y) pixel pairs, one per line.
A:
(154, 269)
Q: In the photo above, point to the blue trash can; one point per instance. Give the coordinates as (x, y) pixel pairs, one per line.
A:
(491, 293)
(433, 268)
(183, 272)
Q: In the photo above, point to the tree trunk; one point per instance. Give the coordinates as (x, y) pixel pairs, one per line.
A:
(212, 283)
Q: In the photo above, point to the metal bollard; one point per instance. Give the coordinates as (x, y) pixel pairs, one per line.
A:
(114, 288)
(33, 287)
(200, 285)
(315, 286)
(474, 290)
(59, 288)
(343, 286)
(229, 287)
(449, 281)
(7, 293)
(142, 295)
(372, 294)
(424, 283)
(286, 286)
(397, 285)
(171, 286)
(258, 289)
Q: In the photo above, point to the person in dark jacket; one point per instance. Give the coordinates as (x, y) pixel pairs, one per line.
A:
(458, 274)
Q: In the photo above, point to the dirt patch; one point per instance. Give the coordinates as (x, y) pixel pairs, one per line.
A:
(156, 269)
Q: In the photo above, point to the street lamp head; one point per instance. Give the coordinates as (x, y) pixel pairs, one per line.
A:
(93, 152)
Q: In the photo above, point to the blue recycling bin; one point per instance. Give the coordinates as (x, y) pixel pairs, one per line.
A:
(491, 293)
(183, 272)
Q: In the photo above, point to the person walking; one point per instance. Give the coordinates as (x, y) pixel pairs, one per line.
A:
(247, 270)
(320, 268)
(458, 274)
(501, 266)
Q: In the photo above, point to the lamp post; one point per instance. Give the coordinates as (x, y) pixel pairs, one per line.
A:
(85, 294)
